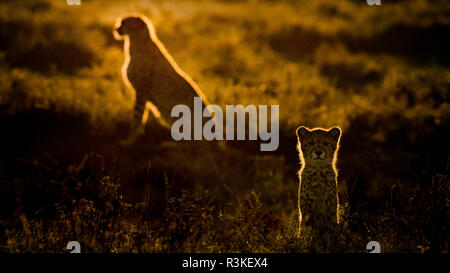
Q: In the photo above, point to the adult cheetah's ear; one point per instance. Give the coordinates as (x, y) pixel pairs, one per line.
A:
(135, 23)
(335, 132)
(301, 132)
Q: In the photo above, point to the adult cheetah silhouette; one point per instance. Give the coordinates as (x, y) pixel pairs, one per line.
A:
(151, 72)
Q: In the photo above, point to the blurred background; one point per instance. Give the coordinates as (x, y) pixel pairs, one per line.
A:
(381, 73)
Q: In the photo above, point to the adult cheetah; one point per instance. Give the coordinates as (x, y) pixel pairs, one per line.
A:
(150, 71)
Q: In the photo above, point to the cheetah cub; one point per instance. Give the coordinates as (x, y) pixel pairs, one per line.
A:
(317, 193)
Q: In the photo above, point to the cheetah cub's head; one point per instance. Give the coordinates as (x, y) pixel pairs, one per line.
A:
(318, 146)
(130, 25)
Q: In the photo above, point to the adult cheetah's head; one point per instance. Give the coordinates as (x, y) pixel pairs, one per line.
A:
(318, 145)
(129, 25)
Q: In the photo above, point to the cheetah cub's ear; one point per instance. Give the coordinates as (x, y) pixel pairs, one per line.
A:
(335, 133)
(301, 132)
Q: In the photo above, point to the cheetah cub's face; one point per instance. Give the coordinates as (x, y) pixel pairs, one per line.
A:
(129, 25)
(318, 146)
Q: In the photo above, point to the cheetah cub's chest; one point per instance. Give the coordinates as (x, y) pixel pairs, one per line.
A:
(317, 197)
